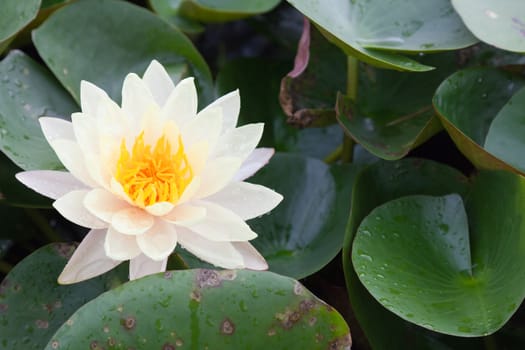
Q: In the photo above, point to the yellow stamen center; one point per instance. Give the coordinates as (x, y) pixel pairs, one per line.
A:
(149, 176)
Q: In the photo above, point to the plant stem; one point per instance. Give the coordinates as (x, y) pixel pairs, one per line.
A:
(334, 156)
(352, 82)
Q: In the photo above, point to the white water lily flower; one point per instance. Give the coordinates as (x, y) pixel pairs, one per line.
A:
(153, 173)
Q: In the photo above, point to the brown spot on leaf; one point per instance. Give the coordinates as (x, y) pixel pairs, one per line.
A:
(111, 341)
(3, 286)
(17, 288)
(168, 346)
(168, 275)
(341, 343)
(95, 346)
(271, 332)
(179, 342)
(208, 278)
(195, 295)
(3, 308)
(312, 321)
(128, 322)
(298, 288)
(64, 250)
(227, 327)
(55, 344)
(42, 324)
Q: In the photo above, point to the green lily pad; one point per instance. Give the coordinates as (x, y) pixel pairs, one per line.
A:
(33, 306)
(498, 22)
(414, 255)
(103, 40)
(169, 11)
(214, 10)
(15, 15)
(205, 309)
(308, 92)
(467, 103)
(27, 92)
(372, 30)
(393, 112)
(377, 184)
(505, 136)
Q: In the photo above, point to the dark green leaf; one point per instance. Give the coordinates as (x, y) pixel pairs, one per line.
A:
(14, 16)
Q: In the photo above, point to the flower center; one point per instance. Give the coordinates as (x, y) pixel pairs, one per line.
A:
(149, 176)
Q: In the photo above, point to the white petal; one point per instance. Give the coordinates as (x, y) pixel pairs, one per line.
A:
(103, 204)
(185, 214)
(56, 128)
(206, 126)
(190, 190)
(246, 200)
(239, 142)
(217, 174)
(230, 105)
(136, 97)
(158, 81)
(119, 246)
(197, 155)
(89, 259)
(71, 206)
(73, 160)
(160, 208)
(255, 161)
(253, 260)
(181, 105)
(221, 254)
(91, 97)
(142, 266)
(220, 225)
(98, 171)
(50, 183)
(132, 221)
(86, 133)
(158, 243)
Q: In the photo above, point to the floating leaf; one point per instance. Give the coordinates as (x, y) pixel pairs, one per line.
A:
(33, 306)
(27, 92)
(205, 309)
(393, 113)
(15, 15)
(498, 22)
(103, 40)
(371, 29)
(214, 10)
(414, 256)
(467, 103)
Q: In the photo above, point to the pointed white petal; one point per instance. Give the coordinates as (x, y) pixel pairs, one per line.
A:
(136, 98)
(103, 204)
(191, 190)
(217, 174)
(158, 81)
(221, 254)
(71, 206)
(142, 266)
(220, 225)
(185, 214)
(132, 221)
(86, 133)
(230, 105)
(239, 142)
(206, 126)
(91, 97)
(255, 161)
(89, 259)
(73, 160)
(160, 208)
(119, 246)
(181, 105)
(97, 169)
(253, 260)
(50, 183)
(246, 200)
(160, 240)
(56, 128)
(197, 155)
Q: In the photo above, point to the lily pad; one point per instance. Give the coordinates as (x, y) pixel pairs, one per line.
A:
(103, 40)
(205, 309)
(498, 22)
(27, 92)
(425, 260)
(33, 306)
(214, 10)
(393, 112)
(16, 15)
(467, 103)
(372, 30)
